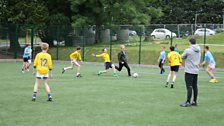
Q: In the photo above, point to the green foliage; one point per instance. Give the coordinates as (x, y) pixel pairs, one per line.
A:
(183, 11)
(25, 12)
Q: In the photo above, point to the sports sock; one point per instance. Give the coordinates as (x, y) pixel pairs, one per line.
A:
(49, 95)
(34, 94)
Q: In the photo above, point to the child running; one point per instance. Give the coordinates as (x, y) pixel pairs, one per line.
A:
(175, 61)
(211, 64)
(75, 56)
(161, 60)
(108, 64)
(26, 58)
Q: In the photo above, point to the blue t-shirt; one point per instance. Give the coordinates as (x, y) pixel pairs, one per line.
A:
(209, 58)
(26, 53)
(162, 55)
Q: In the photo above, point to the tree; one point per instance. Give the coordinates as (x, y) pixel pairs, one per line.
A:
(22, 12)
(108, 12)
(184, 11)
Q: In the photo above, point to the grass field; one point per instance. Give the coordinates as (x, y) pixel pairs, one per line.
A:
(106, 100)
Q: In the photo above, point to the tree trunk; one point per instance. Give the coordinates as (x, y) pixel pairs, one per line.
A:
(98, 25)
(13, 38)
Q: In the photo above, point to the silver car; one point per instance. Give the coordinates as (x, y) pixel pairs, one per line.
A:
(162, 33)
(201, 32)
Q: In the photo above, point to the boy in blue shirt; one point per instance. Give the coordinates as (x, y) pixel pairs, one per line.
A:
(26, 58)
(161, 60)
(211, 64)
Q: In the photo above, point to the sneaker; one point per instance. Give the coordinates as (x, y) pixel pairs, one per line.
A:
(99, 73)
(185, 104)
(166, 85)
(172, 86)
(23, 71)
(78, 75)
(194, 103)
(33, 98)
(63, 70)
(49, 99)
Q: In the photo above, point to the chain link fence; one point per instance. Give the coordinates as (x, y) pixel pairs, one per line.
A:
(142, 42)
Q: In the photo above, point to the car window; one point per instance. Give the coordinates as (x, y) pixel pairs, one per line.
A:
(163, 31)
(156, 30)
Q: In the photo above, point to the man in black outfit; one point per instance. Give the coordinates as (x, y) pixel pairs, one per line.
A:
(192, 57)
(122, 60)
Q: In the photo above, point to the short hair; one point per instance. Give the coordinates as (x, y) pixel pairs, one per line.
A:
(122, 46)
(78, 48)
(103, 49)
(192, 41)
(27, 45)
(44, 46)
(172, 48)
(206, 47)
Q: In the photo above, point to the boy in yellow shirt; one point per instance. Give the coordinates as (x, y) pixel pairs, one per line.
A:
(42, 66)
(108, 64)
(175, 60)
(75, 56)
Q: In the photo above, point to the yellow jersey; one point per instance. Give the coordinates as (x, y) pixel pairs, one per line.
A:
(174, 58)
(105, 57)
(43, 62)
(75, 56)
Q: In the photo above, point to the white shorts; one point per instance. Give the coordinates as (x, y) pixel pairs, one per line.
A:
(42, 76)
(29, 61)
(74, 62)
(212, 66)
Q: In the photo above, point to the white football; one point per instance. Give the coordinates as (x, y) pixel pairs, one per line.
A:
(135, 75)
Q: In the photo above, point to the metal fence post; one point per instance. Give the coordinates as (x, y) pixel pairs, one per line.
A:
(16, 42)
(204, 40)
(83, 48)
(140, 48)
(57, 41)
(32, 38)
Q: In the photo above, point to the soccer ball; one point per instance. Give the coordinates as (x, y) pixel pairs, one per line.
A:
(135, 75)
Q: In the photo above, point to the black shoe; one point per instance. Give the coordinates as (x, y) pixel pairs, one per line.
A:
(49, 99)
(185, 104)
(166, 85)
(33, 98)
(194, 103)
(63, 70)
(171, 86)
(79, 75)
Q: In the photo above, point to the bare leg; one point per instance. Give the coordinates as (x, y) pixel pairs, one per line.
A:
(210, 72)
(47, 88)
(174, 76)
(35, 89)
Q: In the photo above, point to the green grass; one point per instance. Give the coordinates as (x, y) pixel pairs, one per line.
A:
(105, 100)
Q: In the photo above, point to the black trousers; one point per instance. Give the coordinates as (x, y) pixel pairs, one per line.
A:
(191, 81)
(126, 65)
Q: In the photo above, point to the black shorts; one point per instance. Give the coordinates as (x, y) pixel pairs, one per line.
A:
(160, 63)
(25, 59)
(174, 68)
(107, 65)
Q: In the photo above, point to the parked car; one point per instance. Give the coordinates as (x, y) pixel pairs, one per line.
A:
(201, 32)
(162, 33)
(132, 33)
